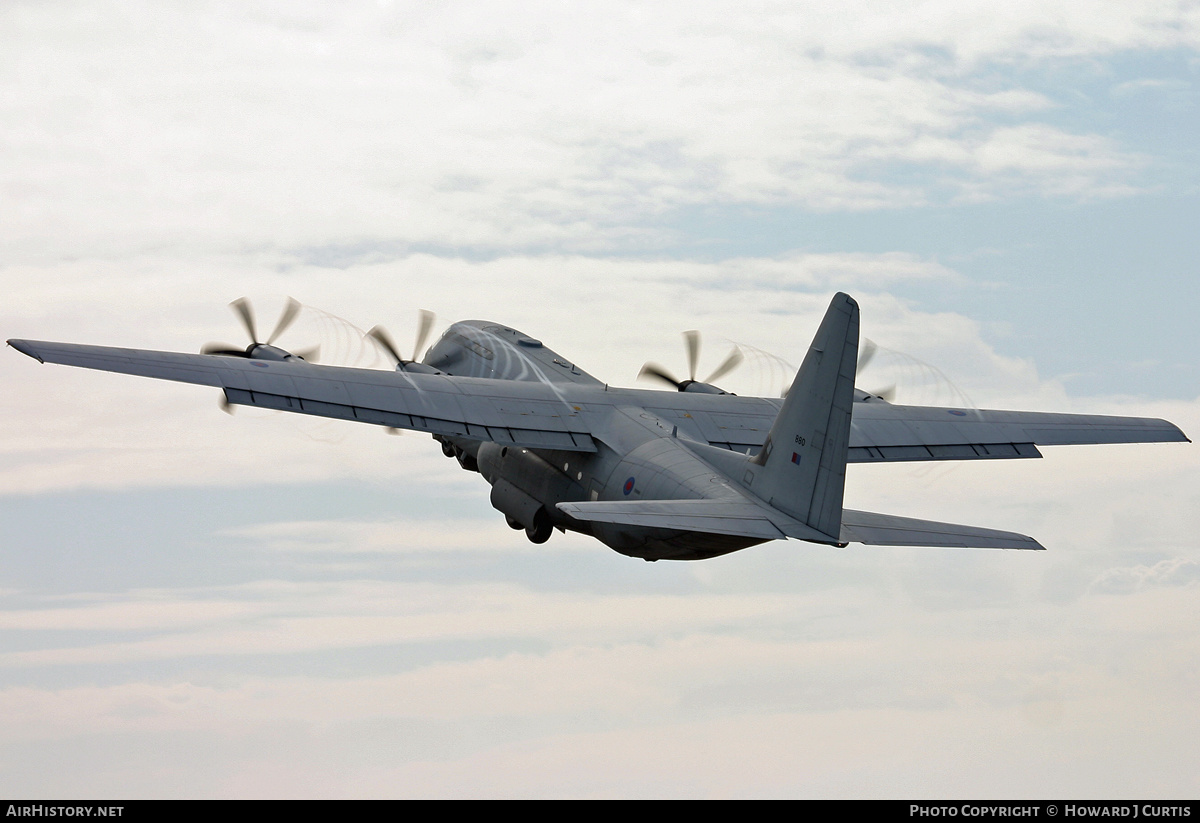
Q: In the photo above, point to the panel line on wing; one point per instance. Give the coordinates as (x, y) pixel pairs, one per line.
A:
(952, 451)
(529, 438)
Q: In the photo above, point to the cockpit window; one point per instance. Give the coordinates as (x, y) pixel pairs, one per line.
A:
(471, 345)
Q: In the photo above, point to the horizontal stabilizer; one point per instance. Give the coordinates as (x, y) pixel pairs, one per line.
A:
(742, 518)
(733, 517)
(889, 530)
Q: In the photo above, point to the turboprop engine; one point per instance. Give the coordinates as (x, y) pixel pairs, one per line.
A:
(521, 480)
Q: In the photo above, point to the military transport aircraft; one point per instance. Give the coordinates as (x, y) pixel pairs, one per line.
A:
(682, 475)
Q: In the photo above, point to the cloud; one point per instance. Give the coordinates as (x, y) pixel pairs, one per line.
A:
(280, 618)
(1069, 164)
(792, 694)
(390, 537)
(1172, 88)
(238, 127)
(1176, 571)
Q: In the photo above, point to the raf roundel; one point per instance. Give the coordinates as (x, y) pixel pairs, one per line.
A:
(628, 486)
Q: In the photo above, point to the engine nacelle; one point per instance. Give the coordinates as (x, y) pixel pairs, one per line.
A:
(514, 504)
(702, 388)
(265, 351)
(413, 367)
(524, 484)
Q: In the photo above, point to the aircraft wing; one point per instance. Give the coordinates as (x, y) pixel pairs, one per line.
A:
(882, 432)
(538, 414)
(530, 414)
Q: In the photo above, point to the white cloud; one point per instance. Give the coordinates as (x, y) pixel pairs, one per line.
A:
(234, 128)
(845, 693)
(283, 619)
(1176, 571)
(1071, 164)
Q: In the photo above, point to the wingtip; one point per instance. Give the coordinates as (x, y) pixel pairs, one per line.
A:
(1031, 544)
(1182, 438)
(25, 348)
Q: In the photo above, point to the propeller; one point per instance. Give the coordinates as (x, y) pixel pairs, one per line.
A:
(424, 325)
(866, 353)
(380, 335)
(245, 312)
(691, 340)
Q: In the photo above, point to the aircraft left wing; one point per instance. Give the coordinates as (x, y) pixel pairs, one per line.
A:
(883, 432)
(529, 414)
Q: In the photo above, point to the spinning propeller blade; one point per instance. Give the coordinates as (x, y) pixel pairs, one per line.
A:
(245, 313)
(691, 342)
(424, 325)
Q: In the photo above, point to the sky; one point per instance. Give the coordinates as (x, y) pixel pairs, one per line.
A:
(201, 605)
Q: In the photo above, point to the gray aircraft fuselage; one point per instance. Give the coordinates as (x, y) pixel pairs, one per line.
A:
(641, 457)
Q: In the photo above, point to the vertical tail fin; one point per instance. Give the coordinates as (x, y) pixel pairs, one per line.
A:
(801, 469)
